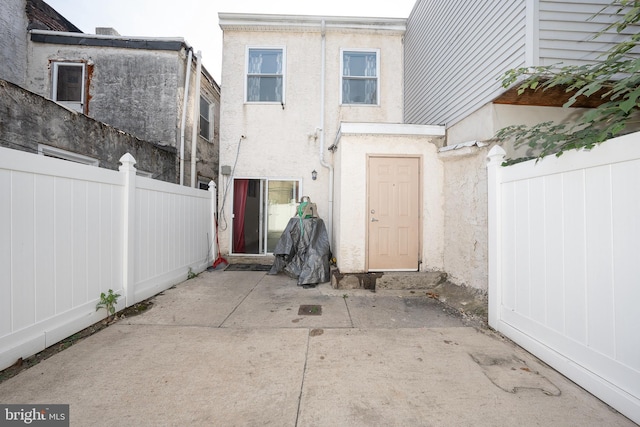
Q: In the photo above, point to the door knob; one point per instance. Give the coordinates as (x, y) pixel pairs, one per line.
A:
(374, 220)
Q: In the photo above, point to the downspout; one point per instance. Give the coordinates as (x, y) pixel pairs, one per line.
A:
(322, 132)
(184, 114)
(196, 119)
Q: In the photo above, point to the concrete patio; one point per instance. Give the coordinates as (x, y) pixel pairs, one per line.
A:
(231, 349)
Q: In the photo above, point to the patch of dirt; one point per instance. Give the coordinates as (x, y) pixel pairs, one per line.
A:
(22, 364)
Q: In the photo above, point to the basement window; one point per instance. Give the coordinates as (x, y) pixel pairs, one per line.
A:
(58, 153)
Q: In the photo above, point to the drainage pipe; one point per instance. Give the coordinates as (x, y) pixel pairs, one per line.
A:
(196, 119)
(322, 132)
(184, 114)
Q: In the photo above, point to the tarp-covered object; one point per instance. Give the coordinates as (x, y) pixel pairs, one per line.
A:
(303, 253)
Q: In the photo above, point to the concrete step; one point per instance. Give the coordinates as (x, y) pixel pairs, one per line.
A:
(469, 301)
(395, 280)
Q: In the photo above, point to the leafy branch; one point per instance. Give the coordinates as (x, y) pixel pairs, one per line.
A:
(615, 81)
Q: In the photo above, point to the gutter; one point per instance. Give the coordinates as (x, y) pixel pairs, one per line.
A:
(322, 132)
(100, 40)
(196, 119)
(185, 97)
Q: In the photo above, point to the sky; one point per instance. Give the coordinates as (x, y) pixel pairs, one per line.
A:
(197, 20)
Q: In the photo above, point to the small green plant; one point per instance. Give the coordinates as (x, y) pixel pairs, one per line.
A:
(108, 302)
(191, 274)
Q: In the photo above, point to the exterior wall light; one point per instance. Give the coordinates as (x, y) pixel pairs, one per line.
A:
(314, 175)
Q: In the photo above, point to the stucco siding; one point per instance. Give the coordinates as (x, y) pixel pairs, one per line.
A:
(140, 102)
(454, 55)
(13, 41)
(29, 120)
(354, 151)
(465, 213)
(284, 141)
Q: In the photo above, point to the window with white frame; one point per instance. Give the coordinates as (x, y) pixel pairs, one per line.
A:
(265, 74)
(206, 125)
(67, 84)
(360, 76)
(58, 153)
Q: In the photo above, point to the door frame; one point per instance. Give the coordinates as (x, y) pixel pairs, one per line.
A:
(264, 186)
(420, 159)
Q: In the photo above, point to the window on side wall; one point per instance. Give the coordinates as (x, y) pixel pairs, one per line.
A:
(68, 86)
(360, 76)
(206, 125)
(58, 153)
(265, 75)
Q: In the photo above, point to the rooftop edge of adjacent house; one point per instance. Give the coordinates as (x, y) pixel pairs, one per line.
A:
(267, 22)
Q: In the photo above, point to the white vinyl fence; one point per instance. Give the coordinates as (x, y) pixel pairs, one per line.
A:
(564, 264)
(69, 232)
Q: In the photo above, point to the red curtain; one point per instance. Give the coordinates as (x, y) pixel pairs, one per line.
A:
(240, 187)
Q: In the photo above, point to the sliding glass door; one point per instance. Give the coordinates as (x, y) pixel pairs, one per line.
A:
(261, 210)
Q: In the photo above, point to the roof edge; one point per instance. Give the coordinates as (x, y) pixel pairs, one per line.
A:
(391, 129)
(309, 22)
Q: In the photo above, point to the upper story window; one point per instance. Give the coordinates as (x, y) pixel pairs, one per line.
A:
(206, 124)
(360, 76)
(68, 84)
(265, 75)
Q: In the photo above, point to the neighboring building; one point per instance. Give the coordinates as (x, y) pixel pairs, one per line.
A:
(35, 124)
(135, 84)
(296, 86)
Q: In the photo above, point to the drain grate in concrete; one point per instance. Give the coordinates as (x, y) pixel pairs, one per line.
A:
(310, 310)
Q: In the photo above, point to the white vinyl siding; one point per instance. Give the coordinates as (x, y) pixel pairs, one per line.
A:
(567, 31)
(454, 55)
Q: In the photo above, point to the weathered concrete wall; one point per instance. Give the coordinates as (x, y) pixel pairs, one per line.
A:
(284, 141)
(13, 41)
(207, 152)
(131, 89)
(139, 91)
(27, 119)
(465, 216)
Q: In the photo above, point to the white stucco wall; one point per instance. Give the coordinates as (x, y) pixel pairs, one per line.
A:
(483, 124)
(465, 188)
(351, 196)
(285, 142)
(465, 216)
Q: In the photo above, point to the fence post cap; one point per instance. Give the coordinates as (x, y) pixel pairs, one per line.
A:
(127, 161)
(496, 155)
